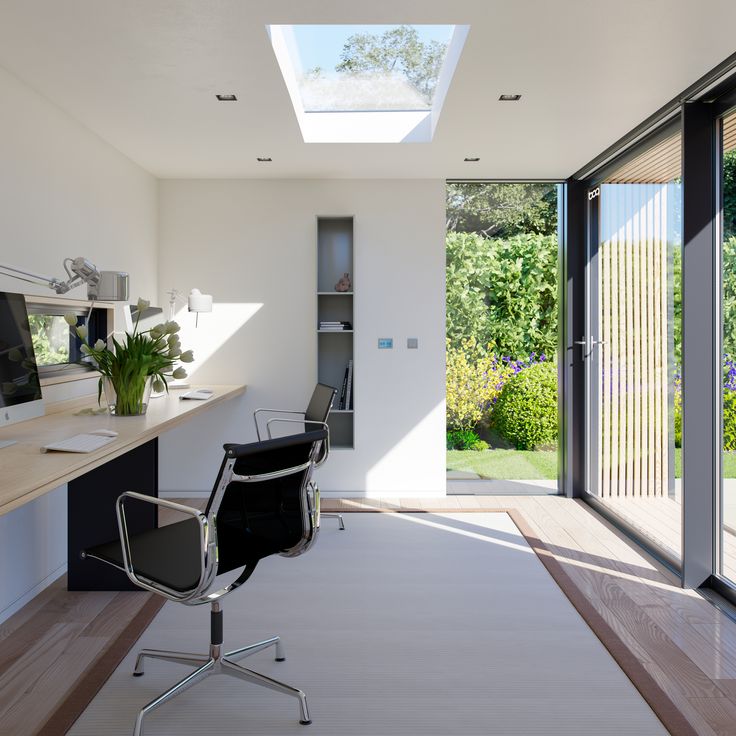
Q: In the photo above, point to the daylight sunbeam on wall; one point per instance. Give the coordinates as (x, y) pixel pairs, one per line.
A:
(367, 84)
(213, 330)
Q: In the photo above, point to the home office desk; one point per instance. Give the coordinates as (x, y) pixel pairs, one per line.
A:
(129, 462)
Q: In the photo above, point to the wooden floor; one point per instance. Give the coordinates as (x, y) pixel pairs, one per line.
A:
(685, 643)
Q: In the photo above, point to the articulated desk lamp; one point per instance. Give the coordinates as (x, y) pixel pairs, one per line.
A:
(17, 405)
(101, 285)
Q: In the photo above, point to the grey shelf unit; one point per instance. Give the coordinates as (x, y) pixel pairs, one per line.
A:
(335, 348)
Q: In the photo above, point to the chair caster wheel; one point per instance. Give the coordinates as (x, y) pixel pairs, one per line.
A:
(305, 723)
(280, 659)
(138, 674)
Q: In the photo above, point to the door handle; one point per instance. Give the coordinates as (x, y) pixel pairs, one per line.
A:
(583, 345)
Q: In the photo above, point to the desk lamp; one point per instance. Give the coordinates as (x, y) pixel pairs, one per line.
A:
(102, 285)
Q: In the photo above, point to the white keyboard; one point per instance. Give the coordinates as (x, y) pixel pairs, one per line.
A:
(79, 443)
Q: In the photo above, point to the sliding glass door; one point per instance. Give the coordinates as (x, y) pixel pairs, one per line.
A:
(632, 347)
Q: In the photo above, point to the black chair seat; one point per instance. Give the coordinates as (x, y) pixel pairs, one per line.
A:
(168, 555)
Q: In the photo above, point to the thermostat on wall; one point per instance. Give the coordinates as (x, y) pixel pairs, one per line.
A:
(385, 343)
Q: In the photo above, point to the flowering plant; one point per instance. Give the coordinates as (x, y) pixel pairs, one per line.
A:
(145, 359)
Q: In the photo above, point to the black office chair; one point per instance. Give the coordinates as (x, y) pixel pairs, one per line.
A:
(316, 414)
(263, 503)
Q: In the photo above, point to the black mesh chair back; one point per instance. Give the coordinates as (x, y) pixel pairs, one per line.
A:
(274, 515)
(320, 404)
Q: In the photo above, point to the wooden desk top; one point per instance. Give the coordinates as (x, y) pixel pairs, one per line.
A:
(27, 473)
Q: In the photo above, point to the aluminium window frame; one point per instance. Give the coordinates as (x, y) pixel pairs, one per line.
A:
(697, 112)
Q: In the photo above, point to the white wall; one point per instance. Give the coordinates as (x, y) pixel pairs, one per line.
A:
(252, 244)
(63, 193)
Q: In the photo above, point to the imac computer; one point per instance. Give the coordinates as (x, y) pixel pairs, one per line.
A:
(20, 390)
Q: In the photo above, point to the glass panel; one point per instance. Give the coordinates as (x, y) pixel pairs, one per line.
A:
(348, 68)
(727, 566)
(635, 355)
(502, 334)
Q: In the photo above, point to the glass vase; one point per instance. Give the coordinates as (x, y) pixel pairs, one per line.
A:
(127, 398)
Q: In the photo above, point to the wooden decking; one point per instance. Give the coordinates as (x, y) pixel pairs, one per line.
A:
(687, 645)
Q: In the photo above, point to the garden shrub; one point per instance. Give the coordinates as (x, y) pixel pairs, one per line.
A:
(729, 405)
(462, 439)
(479, 446)
(678, 409)
(729, 420)
(526, 411)
(474, 381)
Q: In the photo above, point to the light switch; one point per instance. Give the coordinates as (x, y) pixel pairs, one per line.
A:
(412, 343)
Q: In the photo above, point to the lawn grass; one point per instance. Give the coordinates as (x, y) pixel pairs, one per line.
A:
(506, 464)
(537, 464)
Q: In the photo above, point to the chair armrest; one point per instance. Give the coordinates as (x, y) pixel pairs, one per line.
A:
(207, 547)
(271, 411)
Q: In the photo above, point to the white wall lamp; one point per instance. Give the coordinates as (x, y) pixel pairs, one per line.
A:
(101, 285)
(196, 302)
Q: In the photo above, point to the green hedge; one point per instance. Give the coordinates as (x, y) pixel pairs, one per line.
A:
(502, 292)
(526, 411)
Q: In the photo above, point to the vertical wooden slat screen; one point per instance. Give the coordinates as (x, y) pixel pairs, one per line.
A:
(633, 381)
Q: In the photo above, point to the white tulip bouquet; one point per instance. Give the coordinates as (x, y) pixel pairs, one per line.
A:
(144, 360)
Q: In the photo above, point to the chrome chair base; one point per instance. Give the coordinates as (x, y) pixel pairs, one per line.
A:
(217, 663)
(330, 515)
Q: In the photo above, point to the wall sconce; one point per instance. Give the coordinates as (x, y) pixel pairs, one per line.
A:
(196, 302)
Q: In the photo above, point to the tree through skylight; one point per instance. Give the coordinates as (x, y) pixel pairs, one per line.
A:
(378, 68)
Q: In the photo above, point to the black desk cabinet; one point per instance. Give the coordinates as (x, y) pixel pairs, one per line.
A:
(92, 518)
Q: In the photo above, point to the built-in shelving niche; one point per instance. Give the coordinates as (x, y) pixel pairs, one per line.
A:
(335, 349)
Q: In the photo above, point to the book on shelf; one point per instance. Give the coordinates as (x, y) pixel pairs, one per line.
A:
(349, 389)
(341, 402)
(336, 326)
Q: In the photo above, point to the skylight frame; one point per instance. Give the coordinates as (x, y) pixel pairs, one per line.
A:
(374, 126)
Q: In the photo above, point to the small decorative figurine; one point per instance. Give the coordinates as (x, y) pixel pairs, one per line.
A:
(344, 283)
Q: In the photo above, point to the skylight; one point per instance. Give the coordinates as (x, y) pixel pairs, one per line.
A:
(374, 83)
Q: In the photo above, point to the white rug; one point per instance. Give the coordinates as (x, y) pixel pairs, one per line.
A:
(404, 624)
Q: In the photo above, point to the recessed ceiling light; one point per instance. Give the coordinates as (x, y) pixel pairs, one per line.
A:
(227, 98)
(509, 98)
(472, 159)
(264, 159)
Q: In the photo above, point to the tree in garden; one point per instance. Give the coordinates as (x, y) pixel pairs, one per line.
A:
(501, 209)
(398, 50)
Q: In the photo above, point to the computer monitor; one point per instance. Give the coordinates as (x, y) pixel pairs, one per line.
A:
(20, 389)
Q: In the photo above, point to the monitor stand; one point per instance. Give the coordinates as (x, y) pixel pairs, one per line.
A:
(7, 443)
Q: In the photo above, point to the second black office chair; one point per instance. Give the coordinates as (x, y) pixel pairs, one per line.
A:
(315, 415)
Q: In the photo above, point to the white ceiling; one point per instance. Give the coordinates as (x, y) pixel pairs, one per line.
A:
(142, 74)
